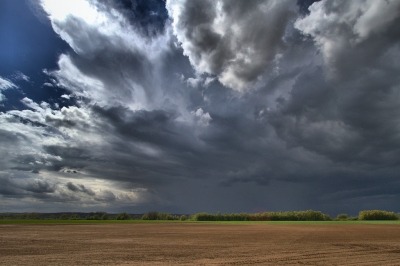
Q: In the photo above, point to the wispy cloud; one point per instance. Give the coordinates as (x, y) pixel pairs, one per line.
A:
(4, 85)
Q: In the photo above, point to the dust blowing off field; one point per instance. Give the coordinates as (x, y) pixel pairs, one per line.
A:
(199, 244)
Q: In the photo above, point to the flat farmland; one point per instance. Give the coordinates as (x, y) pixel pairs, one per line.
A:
(199, 244)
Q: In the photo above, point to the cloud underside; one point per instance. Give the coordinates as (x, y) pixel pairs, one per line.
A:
(227, 99)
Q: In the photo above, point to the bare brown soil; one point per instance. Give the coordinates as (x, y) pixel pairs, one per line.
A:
(199, 244)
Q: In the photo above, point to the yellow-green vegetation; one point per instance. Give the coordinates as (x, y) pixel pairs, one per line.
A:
(377, 215)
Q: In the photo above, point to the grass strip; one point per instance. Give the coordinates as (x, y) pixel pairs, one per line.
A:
(11, 221)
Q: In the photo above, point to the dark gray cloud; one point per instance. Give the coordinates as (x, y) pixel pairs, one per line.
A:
(80, 188)
(234, 107)
(344, 111)
(40, 186)
(22, 185)
(235, 41)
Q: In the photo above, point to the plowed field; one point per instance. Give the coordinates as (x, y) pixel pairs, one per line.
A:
(199, 244)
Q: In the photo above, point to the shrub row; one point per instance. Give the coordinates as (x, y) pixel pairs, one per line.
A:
(161, 216)
(93, 216)
(308, 215)
(203, 216)
(377, 215)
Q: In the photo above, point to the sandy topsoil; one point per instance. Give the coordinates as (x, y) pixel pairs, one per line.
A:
(199, 244)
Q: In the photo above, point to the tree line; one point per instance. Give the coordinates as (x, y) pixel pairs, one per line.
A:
(308, 215)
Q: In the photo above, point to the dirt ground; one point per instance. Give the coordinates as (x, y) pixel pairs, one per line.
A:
(199, 244)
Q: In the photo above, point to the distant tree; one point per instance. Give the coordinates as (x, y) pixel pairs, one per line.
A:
(89, 216)
(74, 217)
(33, 216)
(153, 215)
(105, 216)
(63, 216)
(123, 216)
(97, 216)
(29, 215)
(136, 217)
(203, 216)
(377, 215)
(342, 216)
(23, 216)
(183, 218)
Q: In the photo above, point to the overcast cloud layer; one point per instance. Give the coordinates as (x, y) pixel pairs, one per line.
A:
(211, 106)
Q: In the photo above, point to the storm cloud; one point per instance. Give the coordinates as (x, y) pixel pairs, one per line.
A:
(211, 106)
(235, 41)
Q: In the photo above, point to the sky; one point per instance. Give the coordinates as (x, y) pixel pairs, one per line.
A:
(185, 106)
